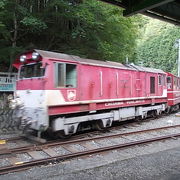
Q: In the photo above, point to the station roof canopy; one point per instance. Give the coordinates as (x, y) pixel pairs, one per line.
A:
(166, 10)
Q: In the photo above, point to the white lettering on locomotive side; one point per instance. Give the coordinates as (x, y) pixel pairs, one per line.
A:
(114, 103)
(121, 103)
(133, 102)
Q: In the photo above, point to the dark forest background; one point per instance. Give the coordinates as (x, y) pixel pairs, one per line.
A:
(88, 28)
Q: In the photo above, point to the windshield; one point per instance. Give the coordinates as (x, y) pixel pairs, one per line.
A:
(32, 70)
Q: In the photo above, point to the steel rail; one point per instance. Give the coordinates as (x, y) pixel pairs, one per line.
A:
(55, 143)
(27, 165)
(77, 135)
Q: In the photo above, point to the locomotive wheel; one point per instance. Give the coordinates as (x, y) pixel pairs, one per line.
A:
(154, 114)
(98, 126)
(168, 110)
(62, 135)
(138, 118)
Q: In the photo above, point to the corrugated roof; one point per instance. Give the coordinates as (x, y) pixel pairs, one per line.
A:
(147, 69)
(55, 55)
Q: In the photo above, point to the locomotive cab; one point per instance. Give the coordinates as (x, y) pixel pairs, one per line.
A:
(30, 95)
(43, 83)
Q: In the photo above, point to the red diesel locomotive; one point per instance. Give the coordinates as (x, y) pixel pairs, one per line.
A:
(64, 93)
(173, 89)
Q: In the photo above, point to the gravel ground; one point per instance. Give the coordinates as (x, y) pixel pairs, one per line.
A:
(24, 157)
(161, 122)
(43, 154)
(8, 135)
(158, 160)
(78, 147)
(60, 150)
(163, 165)
(4, 162)
(94, 144)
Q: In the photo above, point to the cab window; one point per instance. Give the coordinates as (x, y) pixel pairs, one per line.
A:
(31, 71)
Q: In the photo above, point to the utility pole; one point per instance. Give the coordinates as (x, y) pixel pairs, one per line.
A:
(127, 60)
(177, 45)
(178, 57)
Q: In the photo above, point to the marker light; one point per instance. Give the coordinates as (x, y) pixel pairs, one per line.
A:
(22, 58)
(35, 55)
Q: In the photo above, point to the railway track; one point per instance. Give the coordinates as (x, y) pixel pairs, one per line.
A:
(34, 141)
(86, 134)
(48, 152)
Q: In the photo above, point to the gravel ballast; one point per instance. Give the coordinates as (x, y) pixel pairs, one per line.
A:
(162, 165)
(157, 160)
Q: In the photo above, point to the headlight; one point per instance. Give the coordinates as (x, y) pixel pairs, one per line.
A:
(35, 55)
(22, 58)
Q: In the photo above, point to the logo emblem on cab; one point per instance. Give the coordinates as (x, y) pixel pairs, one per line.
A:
(71, 95)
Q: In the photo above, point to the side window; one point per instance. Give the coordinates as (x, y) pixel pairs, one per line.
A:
(65, 75)
(70, 75)
(152, 85)
(160, 80)
(60, 75)
(169, 82)
(168, 79)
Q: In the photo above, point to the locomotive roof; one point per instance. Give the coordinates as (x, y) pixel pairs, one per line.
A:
(55, 55)
(147, 69)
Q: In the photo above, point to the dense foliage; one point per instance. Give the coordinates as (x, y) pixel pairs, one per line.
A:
(88, 28)
(156, 47)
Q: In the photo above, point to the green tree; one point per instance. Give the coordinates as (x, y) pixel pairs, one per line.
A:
(90, 29)
(156, 46)
(15, 23)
